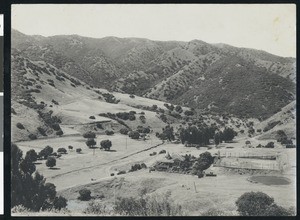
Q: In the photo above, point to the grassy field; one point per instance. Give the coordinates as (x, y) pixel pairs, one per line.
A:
(92, 171)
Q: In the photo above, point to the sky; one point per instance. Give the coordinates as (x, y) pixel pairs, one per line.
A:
(268, 27)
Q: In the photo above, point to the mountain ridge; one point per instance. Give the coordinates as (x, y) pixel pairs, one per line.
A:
(169, 70)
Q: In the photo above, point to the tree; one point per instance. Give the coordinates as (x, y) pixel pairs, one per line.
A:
(28, 188)
(59, 202)
(31, 155)
(178, 109)
(60, 132)
(105, 144)
(84, 195)
(90, 142)
(259, 204)
(89, 134)
(168, 131)
(217, 138)
(51, 162)
(124, 131)
(134, 135)
(107, 132)
(47, 151)
(78, 150)
(62, 150)
(270, 145)
(228, 134)
(204, 161)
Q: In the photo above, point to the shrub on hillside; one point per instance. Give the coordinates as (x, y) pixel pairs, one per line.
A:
(89, 134)
(42, 131)
(162, 152)
(99, 125)
(54, 102)
(131, 117)
(189, 113)
(78, 150)
(56, 127)
(62, 150)
(270, 145)
(107, 132)
(124, 131)
(60, 132)
(32, 136)
(84, 195)
(20, 125)
(121, 172)
(134, 135)
(92, 117)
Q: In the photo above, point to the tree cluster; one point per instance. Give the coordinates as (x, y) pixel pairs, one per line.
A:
(29, 188)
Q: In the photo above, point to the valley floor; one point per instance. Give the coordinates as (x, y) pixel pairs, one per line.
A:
(92, 171)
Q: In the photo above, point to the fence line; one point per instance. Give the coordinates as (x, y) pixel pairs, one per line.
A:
(254, 166)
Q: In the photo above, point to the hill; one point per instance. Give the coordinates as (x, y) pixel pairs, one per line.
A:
(191, 73)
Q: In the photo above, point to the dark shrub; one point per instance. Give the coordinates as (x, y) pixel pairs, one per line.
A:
(99, 125)
(51, 162)
(54, 102)
(162, 152)
(20, 125)
(270, 145)
(84, 195)
(132, 96)
(42, 131)
(47, 151)
(121, 172)
(107, 132)
(90, 142)
(134, 134)
(32, 136)
(31, 155)
(131, 117)
(56, 127)
(112, 174)
(70, 147)
(135, 167)
(124, 131)
(89, 134)
(105, 144)
(60, 132)
(59, 203)
(132, 112)
(258, 130)
(78, 150)
(290, 146)
(62, 150)
(200, 174)
(259, 204)
(178, 109)
(189, 113)
(92, 117)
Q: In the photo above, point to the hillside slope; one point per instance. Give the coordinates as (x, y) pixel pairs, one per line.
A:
(252, 83)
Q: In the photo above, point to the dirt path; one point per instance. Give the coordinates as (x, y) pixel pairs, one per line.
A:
(107, 163)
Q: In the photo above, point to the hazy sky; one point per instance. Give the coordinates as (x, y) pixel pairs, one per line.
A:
(267, 27)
